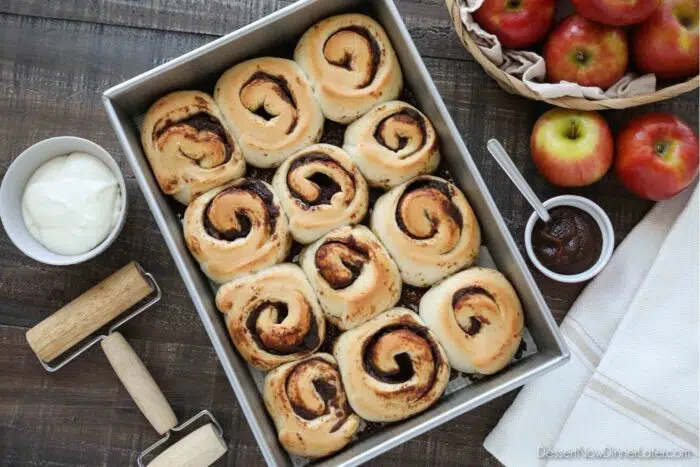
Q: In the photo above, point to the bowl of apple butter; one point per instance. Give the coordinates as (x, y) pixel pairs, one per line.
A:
(575, 244)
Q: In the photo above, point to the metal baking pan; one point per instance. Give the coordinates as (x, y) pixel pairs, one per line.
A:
(199, 69)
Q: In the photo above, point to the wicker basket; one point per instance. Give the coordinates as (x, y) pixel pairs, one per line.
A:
(513, 85)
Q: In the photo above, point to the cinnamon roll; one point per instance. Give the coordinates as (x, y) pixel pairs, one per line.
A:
(352, 274)
(237, 229)
(269, 104)
(351, 64)
(429, 229)
(320, 188)
(273, 316)
(307, 401)
(392, 143)
(392, 366)
(188, 147)
(477, 317)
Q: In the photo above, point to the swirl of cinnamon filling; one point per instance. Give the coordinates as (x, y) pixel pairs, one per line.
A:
(428, 228)
(392, 366)
(477, 316)
(188, 147)
(392, 143)
(351, 63)
(320, 188)
(270, 106)
(273, 316)
(352, 274)
(237, 229)
(307, 401)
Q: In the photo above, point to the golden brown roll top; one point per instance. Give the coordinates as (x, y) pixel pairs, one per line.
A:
(392, 366)
(352, 274)
(189, 148)
(273, 316)
(269, 104)
(351, 64)
(307, 401)
(237, 229)
(477, 317)
(392, 143)
(428, 228)
(320, 188)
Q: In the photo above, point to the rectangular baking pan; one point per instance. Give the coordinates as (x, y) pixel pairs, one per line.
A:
(199, 69)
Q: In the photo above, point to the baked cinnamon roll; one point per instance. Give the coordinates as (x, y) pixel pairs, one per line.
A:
(188, 147)
(392, 366)
(269, 104)
(392, 143)
(237, 229)
(477, 317)
(352, 274)
(320, 188)
(429, 229)
(273, 316)
(306, 400)
(351, 64)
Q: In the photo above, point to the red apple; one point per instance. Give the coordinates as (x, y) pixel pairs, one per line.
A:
(616, 12)
(657, 156)
(571, 147)
(587, 53)
(518, 24)
(667, 43)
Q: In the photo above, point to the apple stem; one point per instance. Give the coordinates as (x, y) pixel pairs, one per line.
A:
(581, 56)
(660, 148)
(573, 130)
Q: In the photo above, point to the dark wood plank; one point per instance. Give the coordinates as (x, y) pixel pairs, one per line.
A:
(211, 17)
(53, 88)
(428, 22)
(82, 416)
(52, 70)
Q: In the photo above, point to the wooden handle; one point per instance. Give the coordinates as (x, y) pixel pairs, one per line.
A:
(138, 382)
(89, 312)
(200, 448)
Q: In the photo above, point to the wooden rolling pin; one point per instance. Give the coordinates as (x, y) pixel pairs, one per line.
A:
(201, 448)
(139, 383)
(88, 313)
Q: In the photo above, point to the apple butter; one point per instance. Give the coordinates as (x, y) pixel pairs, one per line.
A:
(570, 243)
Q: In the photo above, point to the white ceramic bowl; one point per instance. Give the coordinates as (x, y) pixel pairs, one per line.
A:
(598, 215)
(12, 190)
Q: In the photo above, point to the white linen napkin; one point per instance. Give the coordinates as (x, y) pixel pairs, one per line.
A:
(632, 382)
(530, 67)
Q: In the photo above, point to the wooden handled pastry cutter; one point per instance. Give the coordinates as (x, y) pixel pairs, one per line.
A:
(64, 330)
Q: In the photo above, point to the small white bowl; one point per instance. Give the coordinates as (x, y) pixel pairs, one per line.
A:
(604, 224)
(12, 190)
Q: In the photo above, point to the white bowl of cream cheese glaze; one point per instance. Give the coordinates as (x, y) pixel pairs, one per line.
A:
(22, 171)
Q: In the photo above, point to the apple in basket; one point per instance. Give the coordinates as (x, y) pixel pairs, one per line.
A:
(657, 156)
(666, 44)
(518, 24)
(616, 12)
(571, 147)
(587, 53)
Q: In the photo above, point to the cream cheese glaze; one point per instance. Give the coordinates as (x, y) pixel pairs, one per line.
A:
(71, 203)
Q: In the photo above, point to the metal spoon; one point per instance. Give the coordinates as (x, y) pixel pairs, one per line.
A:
(512, 171)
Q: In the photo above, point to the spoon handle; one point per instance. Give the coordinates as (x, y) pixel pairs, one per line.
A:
(501, 156)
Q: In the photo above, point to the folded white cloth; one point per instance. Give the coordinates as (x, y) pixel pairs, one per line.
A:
(631, 386)
(530, 67)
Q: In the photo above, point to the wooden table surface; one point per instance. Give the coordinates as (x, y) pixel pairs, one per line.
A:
(56, 58)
